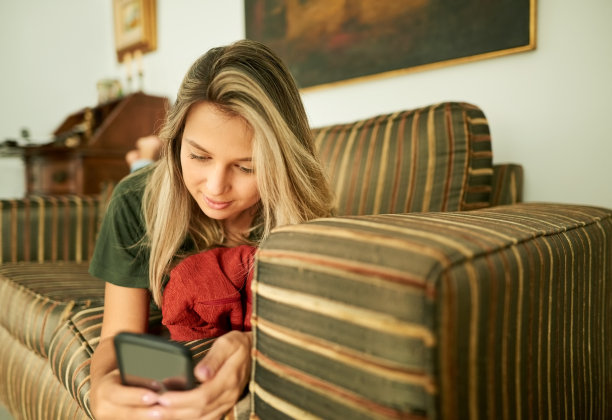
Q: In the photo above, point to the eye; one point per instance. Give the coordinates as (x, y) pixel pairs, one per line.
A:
(245, 170)
(196, 157)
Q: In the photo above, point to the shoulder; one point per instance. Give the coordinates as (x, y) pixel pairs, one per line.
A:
(134, 183)
(129, 191)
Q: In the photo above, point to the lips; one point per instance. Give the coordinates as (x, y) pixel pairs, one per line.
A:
(216, 205)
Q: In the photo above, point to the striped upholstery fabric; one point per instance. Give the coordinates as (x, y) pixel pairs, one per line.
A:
(28, 388)
(37, 298)
(436, 158)
(507, 187)
(489, 314)
(72, 347)
(75, 342)
(46, 228)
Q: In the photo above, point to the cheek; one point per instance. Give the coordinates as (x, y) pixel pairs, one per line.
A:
(251, 190)
(190, 171)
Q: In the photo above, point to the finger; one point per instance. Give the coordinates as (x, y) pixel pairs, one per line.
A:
(179, 406)
(121, 395)
(233, 345)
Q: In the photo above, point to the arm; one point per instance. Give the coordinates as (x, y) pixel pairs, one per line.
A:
(224, 372)
(125, 309)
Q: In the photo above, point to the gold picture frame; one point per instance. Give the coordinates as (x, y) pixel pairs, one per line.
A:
(135, 27)
(330, 42)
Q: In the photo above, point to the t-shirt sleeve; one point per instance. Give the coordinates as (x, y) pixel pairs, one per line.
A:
(120, 256)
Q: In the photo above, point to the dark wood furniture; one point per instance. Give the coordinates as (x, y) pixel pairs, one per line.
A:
(90, 146)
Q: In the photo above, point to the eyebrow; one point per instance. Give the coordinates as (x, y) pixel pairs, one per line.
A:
(203, 150)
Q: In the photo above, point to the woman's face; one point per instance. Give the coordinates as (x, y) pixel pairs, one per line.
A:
(216, 151)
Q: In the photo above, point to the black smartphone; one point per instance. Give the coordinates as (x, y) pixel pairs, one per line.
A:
(153, 362)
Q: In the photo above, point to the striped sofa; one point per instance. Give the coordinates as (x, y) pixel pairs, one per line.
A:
(433, 293)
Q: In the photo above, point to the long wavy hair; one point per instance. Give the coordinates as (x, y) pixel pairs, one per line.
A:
(245, 79)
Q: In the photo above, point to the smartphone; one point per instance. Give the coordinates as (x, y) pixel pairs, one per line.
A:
(153, 362)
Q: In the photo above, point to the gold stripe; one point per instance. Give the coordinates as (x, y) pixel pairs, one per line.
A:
(481, 171)
(459, 220)
(549, 327)
(357, 360)
(467, 163)
(41, 228)
(505, 383)
(605, 358)
(79, 230)
(448, 355)
(473, 358)
(13, 231)
(589, 316)
(439, 238)
(320, 136)
(347, 313)
(54, 229)
(281, 405)
(345, 158)
(477, 120)
(378, 239)
(518, 387)
(383, 163)
(367, 171)
(431, 159)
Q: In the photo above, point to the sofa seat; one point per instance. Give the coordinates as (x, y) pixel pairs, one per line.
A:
(36, 299)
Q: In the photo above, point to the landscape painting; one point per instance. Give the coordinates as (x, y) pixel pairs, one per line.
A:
(328, 41)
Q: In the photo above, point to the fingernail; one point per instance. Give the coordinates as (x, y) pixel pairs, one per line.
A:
(149, 398)
(155, 414)
(204, 372)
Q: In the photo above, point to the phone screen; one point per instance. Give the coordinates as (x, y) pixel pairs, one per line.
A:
(153, 362)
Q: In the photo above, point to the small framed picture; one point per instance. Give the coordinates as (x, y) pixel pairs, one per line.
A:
(135, 27)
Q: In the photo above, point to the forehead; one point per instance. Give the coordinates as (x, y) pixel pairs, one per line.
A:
(208, 126)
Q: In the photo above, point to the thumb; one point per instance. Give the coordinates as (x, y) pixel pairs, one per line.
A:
(210, 364)
(203, 372)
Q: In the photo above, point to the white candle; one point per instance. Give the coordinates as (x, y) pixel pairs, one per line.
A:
(127, 59)
(138, 59)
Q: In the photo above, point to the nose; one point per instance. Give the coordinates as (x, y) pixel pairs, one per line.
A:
(217, 180)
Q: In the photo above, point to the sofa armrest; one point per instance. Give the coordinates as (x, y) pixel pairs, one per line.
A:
(507, 185)
(49, 228)
(480, 314)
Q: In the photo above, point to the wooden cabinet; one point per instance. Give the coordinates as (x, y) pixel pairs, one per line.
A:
(90, 146)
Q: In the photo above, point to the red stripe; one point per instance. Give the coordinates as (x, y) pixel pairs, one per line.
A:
(403, 278)
(327, 388)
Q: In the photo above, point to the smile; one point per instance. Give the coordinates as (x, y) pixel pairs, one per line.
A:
(216, 205)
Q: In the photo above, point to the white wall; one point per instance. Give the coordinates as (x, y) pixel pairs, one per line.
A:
(546, 108)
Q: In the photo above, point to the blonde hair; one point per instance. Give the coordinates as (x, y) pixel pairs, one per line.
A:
(248, 80)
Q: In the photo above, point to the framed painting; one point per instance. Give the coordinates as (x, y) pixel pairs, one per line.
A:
(332, 41)
(135, 27)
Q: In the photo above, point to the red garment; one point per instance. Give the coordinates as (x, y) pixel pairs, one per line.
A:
(209, 294)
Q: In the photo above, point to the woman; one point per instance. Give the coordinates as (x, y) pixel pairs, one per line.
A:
(238, 160)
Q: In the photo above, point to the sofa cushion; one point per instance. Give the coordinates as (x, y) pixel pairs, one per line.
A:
(37, 298)
(75, 341)
(436, 158)
(28, 387)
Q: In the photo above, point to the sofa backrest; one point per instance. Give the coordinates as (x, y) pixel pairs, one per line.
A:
(45, 228)
(436, 158)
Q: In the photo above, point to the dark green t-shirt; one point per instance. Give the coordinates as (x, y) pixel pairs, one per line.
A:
(120, 257)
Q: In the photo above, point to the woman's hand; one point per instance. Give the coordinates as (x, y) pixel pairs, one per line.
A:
(111, 400)
(224, 372)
